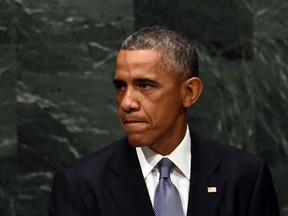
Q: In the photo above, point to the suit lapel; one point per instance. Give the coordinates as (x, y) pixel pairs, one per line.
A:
(206, 187)
(128, 187)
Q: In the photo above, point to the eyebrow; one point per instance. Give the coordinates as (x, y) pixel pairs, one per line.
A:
(146, 80)
(118, 82)
(139, 80)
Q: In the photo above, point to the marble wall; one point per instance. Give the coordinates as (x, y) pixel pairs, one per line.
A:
(57, 99)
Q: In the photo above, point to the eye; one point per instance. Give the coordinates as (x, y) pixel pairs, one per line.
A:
(119, 86)
(145, 86)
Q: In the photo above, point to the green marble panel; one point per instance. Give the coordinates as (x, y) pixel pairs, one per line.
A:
(225, 26)
(63, 53)
(8, 138)
(245, 104)
(63, 100)
(270, 24)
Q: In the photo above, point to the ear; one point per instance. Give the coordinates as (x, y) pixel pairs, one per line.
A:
(192, 91)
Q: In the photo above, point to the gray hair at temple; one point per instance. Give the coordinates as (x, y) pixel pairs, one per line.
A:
(179, 55)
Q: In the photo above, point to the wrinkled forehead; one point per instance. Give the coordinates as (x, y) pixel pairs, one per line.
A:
(144, 64)
(140, 56)
(161, 60)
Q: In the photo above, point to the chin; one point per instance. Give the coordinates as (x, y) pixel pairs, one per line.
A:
(136, 140)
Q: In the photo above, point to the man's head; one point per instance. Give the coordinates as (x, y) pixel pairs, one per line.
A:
(179, 55)
(154, 87)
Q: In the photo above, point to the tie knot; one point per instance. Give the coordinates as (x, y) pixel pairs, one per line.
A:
(164, 166)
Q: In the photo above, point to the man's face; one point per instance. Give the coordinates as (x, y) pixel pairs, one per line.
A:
(150, 100)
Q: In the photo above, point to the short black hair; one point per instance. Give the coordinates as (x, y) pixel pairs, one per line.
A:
(179, 55)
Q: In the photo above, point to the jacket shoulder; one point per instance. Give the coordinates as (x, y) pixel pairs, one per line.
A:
(96, 163)
(226, 154)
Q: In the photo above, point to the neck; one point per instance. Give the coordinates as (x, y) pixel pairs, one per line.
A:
(167, 148)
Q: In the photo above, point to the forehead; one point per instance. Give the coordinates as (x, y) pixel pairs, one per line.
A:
(137, 57)
(135, 62)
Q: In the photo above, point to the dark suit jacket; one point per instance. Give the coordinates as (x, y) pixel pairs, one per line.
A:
(110, 182)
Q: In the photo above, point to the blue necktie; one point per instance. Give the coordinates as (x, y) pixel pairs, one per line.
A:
(167, 201)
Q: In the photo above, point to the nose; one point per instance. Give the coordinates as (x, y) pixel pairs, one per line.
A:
(130, 102)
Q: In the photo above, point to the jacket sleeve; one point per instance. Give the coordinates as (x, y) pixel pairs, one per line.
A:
(65, 197)
(264, 200)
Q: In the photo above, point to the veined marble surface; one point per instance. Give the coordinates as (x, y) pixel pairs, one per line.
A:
(57, 98)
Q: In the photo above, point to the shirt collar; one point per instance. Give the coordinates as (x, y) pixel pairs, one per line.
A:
(181, 157)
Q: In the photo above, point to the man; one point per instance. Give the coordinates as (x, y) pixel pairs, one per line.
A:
(156, 81)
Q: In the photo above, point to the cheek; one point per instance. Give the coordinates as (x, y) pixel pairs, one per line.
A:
(168, 108)
(155, 111)
(119, 100)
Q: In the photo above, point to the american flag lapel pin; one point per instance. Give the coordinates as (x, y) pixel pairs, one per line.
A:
(212, 189)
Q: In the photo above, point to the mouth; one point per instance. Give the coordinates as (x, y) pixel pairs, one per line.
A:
(134, 125)
(132, 121)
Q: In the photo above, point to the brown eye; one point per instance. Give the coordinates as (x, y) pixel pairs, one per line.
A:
(119, 85)
(145, 86)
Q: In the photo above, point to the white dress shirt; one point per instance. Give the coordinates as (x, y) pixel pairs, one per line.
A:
(180, 175)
